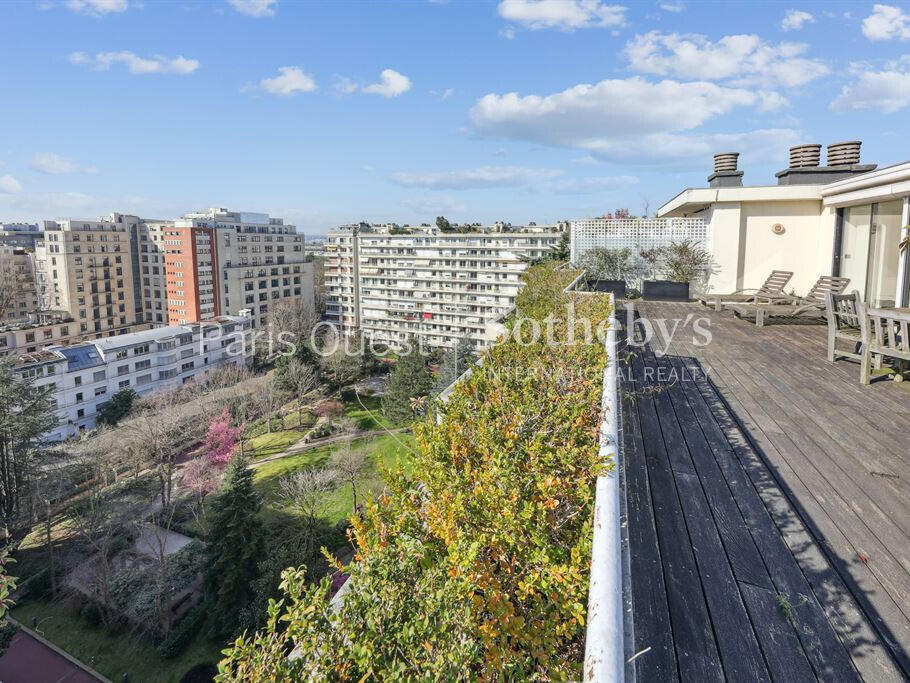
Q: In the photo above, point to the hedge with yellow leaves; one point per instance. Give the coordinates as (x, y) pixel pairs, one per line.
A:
(476, 565)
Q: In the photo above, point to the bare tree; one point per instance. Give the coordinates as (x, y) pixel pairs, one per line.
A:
(270, 401)
(349, 463)
(164, 429)
(307, 491)
(295, 319)
(97, 519)
(300, 378)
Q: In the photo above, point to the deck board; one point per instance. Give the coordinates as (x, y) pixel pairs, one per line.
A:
(780, 507)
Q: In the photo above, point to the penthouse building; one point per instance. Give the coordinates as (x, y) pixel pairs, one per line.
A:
(86, 375)
(438, 286)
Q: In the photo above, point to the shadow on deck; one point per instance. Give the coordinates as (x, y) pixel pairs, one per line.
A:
(767, 503)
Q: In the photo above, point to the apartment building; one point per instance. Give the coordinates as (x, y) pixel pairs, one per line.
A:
(41, 329)
(86, 268)
(22, 235)
(86, 375)
(18, 293)
(438, 286)
(241, 261)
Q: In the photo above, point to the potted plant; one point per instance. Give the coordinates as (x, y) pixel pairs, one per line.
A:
(608, 270)
(681, 264)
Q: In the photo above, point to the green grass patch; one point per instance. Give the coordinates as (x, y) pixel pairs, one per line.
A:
(268, 444)
(113, 655)
(369, 415)
(384, 451)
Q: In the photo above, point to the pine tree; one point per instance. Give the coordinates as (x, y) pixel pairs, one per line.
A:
(411, 379)
(234, 547)
(26, 414)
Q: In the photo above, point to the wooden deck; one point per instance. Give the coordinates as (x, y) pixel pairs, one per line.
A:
(768, 506)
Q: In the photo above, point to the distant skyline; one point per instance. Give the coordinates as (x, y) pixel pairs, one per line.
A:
(520, 110)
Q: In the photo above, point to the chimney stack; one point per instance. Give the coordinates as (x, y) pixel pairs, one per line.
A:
(844, 153)
(725, 173)
(804, 169)
(805, 156)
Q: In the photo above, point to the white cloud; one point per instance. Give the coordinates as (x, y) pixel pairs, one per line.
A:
(391, 84)
(255, 8)
(290, 80)
(674, 7)
(345, 85)
(565, 15)
(794, 20)
(629, 120)
(742, 59)
(9, 185)
(97, 8)
(54, 164)
(887, 90)
(475, 178)
(886, 22)
(102, 61)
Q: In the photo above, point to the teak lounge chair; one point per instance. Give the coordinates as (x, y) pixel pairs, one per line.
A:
(769, 292)
(810, 306)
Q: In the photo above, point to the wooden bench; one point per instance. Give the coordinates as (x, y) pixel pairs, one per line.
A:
(843, 323)
(885, 333)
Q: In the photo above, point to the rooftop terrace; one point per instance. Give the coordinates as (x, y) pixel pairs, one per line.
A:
(768, 507)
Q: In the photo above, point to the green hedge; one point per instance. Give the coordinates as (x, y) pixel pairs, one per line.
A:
(477, 565)
(182, 633)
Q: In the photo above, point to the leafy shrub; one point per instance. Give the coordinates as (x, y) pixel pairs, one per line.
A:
(182, 633)
(610, 264)
(476, 566)
(112, 411)
(348, 394)
(686, 261)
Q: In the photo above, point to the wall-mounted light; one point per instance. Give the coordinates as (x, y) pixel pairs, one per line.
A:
(778, 229)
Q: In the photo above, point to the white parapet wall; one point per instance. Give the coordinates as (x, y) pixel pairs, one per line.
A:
(604, 640)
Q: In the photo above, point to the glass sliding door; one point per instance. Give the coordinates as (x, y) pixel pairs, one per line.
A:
(870, 251)
(884, 245)
(855, 247)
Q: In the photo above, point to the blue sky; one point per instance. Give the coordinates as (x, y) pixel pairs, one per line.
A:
(330, 112)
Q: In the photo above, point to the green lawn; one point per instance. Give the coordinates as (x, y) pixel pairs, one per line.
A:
(269, 444)
(369, 415)
(113, 655)
(388, 451)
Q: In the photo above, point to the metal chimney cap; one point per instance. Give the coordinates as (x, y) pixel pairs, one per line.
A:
(725, 161)
(805, 156)
(844, 153)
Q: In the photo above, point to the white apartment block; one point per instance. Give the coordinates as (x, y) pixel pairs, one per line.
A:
(87, 375)
(637, 234)
(435, 286)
